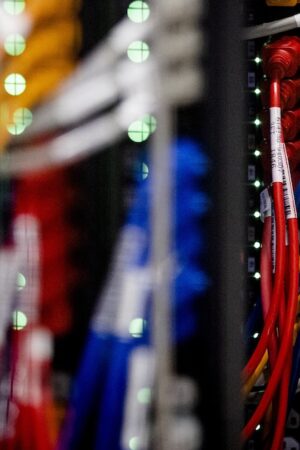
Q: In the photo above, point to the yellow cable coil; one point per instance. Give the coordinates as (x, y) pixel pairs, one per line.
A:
(49, 56)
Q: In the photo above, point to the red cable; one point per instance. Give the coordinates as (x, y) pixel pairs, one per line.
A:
(271, 318)
(282, 409)
(287, 337)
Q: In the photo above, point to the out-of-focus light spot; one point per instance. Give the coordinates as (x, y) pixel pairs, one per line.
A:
(145, 171)
(255, 336)
(257, 91)
(257, 153)
(138, 11)
(136, 327)
(15, 129)
(138, 51)
(144, 396)
(257, 183)
(138, 131)
(257, 275)
(134, 443)
(19, 320)
(14, 7)
(258, 60)
(23, 116)
(258, 427)
(15, 84)
(256, 245)
(151, 122)
(14, 44)
(21, 282)
(257, 122)
(21, 120)
(256, 214)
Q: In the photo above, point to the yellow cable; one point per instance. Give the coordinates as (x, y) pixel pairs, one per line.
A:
(51, 9)
(38, 88)
(59, 40)
(49, 57)
(256, 374)
(282, 2)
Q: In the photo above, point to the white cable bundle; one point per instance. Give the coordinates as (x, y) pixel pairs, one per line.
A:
(132, 87)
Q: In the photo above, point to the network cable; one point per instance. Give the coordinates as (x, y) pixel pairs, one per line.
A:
(277, 68)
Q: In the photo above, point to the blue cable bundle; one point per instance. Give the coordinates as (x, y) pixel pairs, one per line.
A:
(121, 323)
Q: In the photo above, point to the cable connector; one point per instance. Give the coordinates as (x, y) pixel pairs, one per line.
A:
(290, 93)
(291, 124)
(293, 153)
(282, 58)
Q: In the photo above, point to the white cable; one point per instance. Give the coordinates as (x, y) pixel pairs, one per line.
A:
(269, 28)
(92, 95)
(78, 143)
(99, 133)
(106, 54)
(10, 24)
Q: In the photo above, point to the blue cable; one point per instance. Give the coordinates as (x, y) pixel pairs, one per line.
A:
(101, 383)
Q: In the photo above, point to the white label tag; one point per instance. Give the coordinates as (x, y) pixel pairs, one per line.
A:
(288, 193)
(276, 145)
(265, 204)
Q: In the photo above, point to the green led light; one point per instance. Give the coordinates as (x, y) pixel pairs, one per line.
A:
(138, 11)
(138, 51)
(15, 129)
(256, 245)
(151, 122)
(258, 60)
(15, 44)
(134, 443)
(15, 84)
(257, 183)
(256, 214)
(257, 122)
(257, 275)
(136, 327)
(21, 282)
(257, 91)
(14, 7)
(145, 171)
(22, 120)
(19, 320)
(23, 116)
(140, 130)
(257, 153)
(144, 396)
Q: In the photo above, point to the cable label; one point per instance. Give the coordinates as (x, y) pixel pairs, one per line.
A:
(288, 193)
(276, 145)
(265, 204)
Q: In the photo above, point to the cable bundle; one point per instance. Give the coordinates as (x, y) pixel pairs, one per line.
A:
(279, 255)
(31, 68)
